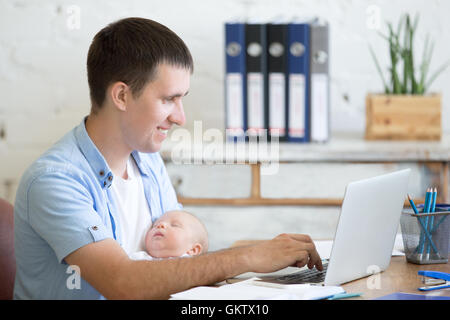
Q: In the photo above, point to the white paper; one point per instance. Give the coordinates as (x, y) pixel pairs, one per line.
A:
(256, 290)
(398, 250)
(324, 247)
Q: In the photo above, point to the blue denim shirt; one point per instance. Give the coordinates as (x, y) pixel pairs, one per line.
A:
(63, 203)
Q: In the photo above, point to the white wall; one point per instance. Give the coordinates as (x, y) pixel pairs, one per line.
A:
(43, 50)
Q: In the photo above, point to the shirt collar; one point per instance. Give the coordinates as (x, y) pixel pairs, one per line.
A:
(93, 156)
(96, 160)
(141, 165)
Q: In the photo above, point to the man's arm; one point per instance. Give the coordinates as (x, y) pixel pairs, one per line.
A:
(106, 266)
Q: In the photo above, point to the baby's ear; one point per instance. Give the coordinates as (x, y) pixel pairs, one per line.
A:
(195, 250)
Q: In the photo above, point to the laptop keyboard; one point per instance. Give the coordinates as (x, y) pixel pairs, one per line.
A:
(304, 276)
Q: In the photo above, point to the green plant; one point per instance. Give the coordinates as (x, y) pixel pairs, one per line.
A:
(410, 80)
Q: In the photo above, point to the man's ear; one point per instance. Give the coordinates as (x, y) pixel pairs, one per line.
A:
(195, 250)
(120, 93)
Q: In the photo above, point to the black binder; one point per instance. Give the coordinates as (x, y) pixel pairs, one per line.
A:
(277, 80)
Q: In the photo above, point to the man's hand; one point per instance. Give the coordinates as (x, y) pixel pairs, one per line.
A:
(282, 251)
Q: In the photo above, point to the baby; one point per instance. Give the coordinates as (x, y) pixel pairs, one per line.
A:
(174, 234)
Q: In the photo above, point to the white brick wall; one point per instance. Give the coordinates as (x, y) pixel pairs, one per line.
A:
(43, 83)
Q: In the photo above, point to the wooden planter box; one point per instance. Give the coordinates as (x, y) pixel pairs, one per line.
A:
(403, 117)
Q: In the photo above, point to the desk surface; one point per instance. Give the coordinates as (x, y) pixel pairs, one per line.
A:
(400, 276)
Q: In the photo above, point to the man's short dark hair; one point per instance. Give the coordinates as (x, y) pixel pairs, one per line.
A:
(129, 50)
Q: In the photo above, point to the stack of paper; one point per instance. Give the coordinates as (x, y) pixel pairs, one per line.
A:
(258, 290)
(324, 247)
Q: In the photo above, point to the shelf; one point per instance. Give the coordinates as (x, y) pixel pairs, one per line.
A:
(341, 148)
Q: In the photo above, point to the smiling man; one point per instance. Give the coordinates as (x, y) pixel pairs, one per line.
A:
(88, 201)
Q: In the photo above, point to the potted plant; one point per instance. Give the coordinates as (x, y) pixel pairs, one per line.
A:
(405, 111)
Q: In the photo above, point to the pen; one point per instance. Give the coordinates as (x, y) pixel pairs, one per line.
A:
(269, 284)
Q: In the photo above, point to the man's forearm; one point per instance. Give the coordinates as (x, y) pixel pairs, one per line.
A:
(107, 267)
(159, 279)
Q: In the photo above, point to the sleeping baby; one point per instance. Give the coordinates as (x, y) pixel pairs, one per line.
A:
(175, 234)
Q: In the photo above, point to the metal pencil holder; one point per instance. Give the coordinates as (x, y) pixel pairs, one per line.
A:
(426, 236)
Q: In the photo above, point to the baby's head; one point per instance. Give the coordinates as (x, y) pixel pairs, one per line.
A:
(176, 233)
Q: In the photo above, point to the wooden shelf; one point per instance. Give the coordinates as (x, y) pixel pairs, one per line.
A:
(433, 155)
(259, 202)
(326, 202)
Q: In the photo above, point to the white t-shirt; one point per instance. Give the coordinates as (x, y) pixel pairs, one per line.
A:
(142, 255)
(132, 207)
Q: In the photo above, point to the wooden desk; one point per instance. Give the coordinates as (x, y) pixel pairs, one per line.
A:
(400, 276)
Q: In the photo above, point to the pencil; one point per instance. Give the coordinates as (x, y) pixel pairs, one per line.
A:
(426, 209)
(433, 209)
(413, 206)
(345, 295)
(423, 232)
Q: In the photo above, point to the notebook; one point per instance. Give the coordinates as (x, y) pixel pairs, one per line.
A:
(411, 296)
(365, 234)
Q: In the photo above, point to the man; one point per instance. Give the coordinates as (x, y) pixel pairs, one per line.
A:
(87, 202)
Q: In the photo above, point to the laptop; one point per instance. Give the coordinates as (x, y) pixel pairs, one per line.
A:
(365, 234)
